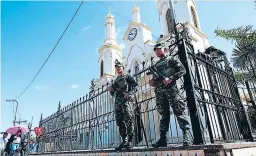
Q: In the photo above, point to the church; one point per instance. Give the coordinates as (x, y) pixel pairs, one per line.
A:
(138, 38)
(91, 124)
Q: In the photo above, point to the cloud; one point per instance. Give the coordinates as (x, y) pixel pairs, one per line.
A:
(80, 33)
(122, 45)
(74, 86)
(120, 32)
(42, 87)
(86, 28)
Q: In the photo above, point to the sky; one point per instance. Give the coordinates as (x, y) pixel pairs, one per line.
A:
(29, 31)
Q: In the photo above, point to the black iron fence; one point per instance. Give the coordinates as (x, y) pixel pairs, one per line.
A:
(89, 123)
(209, 88)
(216, 96)
(247, 85)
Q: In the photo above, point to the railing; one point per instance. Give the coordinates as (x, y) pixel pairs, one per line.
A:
(217, 97)
(247, 86)
(209, 88)
(89, 123)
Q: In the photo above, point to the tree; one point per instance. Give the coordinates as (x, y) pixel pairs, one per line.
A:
(241, 76)
(244, 53)
(240, 34)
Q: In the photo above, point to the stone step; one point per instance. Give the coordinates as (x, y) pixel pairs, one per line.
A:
(226, 149)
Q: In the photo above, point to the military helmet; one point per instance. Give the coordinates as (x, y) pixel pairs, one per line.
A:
(159, 46)
(118, 64)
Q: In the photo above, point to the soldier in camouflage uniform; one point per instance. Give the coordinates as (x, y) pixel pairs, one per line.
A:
(167, 94)
(122, 89)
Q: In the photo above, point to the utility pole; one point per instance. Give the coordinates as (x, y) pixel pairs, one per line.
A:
(29, 136)
(21, 121)
(14, 121)
(30, 124)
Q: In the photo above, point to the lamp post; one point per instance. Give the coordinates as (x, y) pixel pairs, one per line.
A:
(15, 110)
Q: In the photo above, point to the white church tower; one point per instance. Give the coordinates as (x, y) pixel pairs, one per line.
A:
(138, 41)
(108, 52)
(185, 13)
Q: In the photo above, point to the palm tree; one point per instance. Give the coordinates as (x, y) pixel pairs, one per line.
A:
(242, 76)
(244, 53)
(243, 33)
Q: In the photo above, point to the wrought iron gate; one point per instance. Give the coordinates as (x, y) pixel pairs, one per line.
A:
(213, 96)
(247, 91)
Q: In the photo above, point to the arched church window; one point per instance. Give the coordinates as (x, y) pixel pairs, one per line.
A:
(136, 67)
(169, 20)
(194, 16)
(136, 70)
(101, 68)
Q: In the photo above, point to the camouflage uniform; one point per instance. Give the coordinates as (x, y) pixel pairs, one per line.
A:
(123, 108)
(166, 96)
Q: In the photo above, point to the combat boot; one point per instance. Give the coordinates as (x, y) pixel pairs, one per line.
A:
(186, 141)
(123, 144)
(129, 144)
(162, 141)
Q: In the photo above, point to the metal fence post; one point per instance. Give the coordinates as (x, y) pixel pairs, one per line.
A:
(190, 93)
(250, 94)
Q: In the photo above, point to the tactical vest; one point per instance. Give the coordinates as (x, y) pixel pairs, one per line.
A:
(163, 66)
(121, 83)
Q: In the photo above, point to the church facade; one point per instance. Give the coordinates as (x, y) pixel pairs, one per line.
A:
(90, 124)
(138, 38)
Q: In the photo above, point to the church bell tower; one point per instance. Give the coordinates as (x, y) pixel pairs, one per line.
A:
(185, 12)
(109, 51)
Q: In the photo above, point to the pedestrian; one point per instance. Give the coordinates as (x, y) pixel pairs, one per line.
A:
(167, 71)
(3, 141)
(122, 89)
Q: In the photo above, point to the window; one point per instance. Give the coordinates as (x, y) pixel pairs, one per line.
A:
(136, 70)
(194, 16)
(101, 69)
(169, 20)
(136, 67)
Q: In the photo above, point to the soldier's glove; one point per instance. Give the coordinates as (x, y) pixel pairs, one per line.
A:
(127, 97)
(167, 81)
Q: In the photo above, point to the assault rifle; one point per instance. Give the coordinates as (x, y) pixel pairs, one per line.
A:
(155, 72)
(137, 111)
(159, 77)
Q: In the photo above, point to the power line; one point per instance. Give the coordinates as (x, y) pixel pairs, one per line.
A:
(13, 108)
(20, 115)
(107, 6)
(51, 51)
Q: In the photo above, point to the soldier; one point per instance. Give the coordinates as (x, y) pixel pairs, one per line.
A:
(166, 71)
(122, 89)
